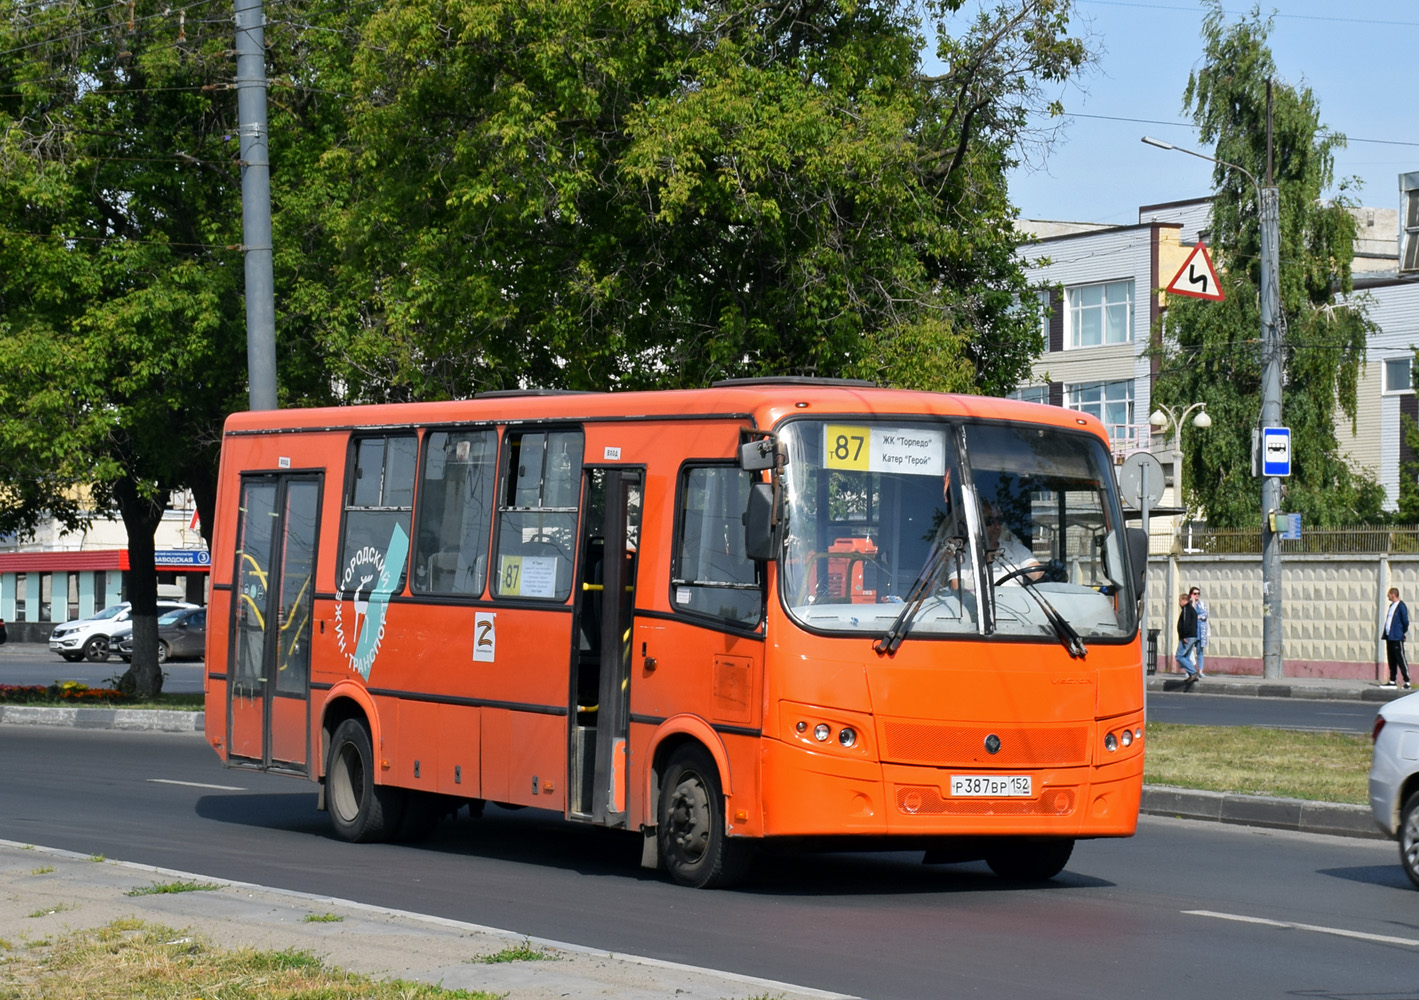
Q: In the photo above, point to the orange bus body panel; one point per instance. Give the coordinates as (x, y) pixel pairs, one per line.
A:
(444, 721)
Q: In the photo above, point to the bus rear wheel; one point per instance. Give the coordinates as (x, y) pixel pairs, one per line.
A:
(694, 846)
(360, 810)
(1030, 859)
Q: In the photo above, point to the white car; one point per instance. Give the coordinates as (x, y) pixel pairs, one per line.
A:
(1394, 778)
(88, 638)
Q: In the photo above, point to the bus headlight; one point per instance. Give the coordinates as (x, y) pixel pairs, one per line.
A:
(821, 732)
(1110, 742)
(847, 736)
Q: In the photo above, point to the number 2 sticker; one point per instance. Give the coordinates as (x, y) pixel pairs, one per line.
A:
(485, 637)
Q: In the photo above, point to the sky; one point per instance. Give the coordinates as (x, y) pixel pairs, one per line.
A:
(1358, 58)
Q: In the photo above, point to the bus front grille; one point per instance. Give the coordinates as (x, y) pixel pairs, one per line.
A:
(938, 745)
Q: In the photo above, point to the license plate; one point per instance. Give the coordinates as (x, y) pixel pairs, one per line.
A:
(990, 785)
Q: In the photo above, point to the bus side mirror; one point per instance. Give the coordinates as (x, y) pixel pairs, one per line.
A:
(1138, 555)
(757, 455)
(761, 532)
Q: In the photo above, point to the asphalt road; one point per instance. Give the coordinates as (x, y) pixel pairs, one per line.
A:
(1181, 910)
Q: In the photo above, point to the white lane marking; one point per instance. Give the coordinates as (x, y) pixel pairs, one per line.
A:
(197, 784)
(1290, 925)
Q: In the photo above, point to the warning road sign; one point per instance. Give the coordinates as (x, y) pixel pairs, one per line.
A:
(1197, 277)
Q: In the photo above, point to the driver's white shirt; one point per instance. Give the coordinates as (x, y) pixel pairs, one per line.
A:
(1008, 555)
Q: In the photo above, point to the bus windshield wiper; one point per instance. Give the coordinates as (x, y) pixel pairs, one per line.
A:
(1063, 631)
(940, 551)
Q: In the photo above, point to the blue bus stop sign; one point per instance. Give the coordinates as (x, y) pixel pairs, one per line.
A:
(1275, 451)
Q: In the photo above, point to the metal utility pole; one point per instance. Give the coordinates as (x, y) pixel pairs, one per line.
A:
(1271, 362)
(256, 204)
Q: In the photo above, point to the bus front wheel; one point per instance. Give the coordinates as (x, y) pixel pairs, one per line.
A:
(360, 810)
(695, 848)
(1029, 859)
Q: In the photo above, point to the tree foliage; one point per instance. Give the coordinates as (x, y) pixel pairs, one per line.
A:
(663, 192)
(1211, 351)
(122, 328)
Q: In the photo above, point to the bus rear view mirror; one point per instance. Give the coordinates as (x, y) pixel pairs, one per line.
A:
(1138, 555)
(757, 455)
(761, 534)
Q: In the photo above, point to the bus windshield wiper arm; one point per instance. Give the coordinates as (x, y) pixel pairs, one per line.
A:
(941, 550)
(1063, 631)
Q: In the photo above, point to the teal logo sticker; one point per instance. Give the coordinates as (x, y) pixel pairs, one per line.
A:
(365, 586)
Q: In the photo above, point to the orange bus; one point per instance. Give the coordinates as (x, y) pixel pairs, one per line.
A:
(793, 611)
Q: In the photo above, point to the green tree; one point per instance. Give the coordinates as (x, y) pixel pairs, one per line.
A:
(661, 193)
(122, 326)
(1211, 350)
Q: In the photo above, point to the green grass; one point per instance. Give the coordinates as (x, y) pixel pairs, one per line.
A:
(165, 888)
(322, 918)
(133, 960)
(523, 952)
(1250, 760)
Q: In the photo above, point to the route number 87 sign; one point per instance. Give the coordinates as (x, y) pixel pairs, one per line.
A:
(914, 451)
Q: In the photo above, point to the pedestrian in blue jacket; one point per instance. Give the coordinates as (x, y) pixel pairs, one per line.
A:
(1395, 630)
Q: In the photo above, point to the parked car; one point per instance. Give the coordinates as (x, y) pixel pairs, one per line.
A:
(1394, 778)
(182, 635)
(89, 638)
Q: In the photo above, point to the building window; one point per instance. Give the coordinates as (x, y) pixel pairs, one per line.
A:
(1398, 377)
(1100, 314)
(1030, 393)
(1111, 402)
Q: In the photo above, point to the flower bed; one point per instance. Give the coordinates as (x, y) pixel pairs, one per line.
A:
(72, 692)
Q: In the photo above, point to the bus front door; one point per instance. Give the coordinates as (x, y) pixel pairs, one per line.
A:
(601, 671)
(268, 686)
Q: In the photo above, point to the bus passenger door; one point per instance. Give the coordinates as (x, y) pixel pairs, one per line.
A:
(601, 673)
(268, 688)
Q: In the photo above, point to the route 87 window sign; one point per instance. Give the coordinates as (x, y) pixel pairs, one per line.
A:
(362, 598)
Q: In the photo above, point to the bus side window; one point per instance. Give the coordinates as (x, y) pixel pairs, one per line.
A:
(377, 510)
(455, 512)
(712, 574)
(537, 516)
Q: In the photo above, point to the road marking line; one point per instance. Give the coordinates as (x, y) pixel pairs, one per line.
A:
(197, 784)
(1290, 925)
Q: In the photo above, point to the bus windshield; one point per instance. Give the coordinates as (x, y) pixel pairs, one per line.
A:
(928, 529)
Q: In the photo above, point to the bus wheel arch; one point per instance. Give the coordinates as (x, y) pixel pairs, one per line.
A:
(691, 836)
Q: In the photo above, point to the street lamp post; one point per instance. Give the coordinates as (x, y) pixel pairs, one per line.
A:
(1269, 203)
(1161, 418)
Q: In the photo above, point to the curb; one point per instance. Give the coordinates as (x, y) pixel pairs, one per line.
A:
(161, 720)
(1256, 687)
(1334, 818)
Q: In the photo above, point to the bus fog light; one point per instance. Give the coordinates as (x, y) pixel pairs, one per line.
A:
(847, 736)
(1127, 738)
(1111, 743)
(821, 732)
(801, 727)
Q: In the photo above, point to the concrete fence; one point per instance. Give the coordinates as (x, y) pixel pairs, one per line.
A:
(1332, 608)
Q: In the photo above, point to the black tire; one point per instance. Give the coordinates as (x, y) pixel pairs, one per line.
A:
(72, 657)
(96, 649)
(1409, 838)
(163, 651)
(360, 810)
(1030, 859)
(695, 849)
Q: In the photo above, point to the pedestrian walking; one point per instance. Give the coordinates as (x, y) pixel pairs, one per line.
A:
(1396, 628)
(1187, 637)
(1204, 631)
